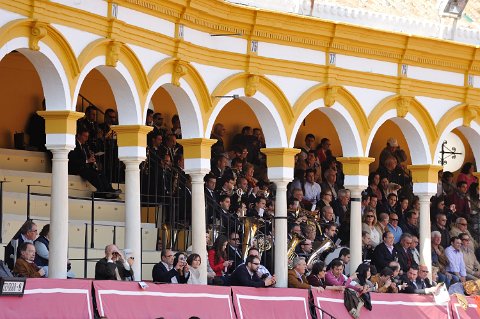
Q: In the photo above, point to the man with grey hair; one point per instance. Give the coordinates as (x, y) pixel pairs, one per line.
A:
(296, 276)
(471, 263)
(461, 227)
(404, 254)
(27, 233)
(114, 266)
(330, 182)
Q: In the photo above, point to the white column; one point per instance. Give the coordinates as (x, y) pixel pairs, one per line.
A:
(133, 222)
(425, 232)
(281, 233)
(58, 249)
(355, 227)
(199, 227)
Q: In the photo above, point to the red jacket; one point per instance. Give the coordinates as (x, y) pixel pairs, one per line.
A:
(218, 268)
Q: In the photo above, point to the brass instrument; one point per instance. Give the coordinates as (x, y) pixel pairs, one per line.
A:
(250, 227)
(169, 236)
(325, 246)
(291, 254)
(263, 243)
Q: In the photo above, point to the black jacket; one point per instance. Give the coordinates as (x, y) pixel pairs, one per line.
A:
(161, 274)
(382, 256)
(241, 277)
(106, 271)
(405, 259)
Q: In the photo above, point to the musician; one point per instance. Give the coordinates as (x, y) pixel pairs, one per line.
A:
(158, 125)
(304, 249)
(259, 208)
(330, 232)
(233, 251)
(226, 185)
(220, 166)
(82, 162)
(211, 197)
(228, 220)
(89, 121)
(171, 147)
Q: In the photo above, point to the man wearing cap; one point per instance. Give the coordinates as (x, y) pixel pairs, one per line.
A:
(392, 149)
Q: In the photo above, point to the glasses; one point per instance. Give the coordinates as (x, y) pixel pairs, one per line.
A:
(462, 224)
(394, 220)
(368, 216)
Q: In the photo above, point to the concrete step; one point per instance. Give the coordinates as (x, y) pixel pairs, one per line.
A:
(24, 160)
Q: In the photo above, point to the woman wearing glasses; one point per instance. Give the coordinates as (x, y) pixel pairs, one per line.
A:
(369, 221)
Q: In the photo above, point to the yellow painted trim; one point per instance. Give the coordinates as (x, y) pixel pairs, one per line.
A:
(264, 86)
(344, 97)
(60, 122)
(356, 165)
(415, 108)
(197, 147)
(132, 135)
(54, 39)
(102, 47)
(425, 173)
(192, 77)
(280, 157)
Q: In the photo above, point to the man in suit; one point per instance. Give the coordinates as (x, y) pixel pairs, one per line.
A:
(211, 200)
(25, 265)
(413, 285)
(330, 182)
(404, 255)
(233, 252)
(82, 162)
(385, 252)
(164, 270)
(246, 275)
(27, 233)
(114, 266)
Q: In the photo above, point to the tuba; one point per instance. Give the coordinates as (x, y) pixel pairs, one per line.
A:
(291, 254)
(325, 247)
(250, 227)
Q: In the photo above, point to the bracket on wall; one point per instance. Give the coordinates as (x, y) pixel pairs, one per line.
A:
(179, 70)
(37, 32)
(251, 86)
(331, 95)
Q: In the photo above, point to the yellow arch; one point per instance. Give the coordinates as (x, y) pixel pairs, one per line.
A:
(265, 86)
(457, 112)
(125, 55)
(191, 76)
(344, 97)
(417, 110)
(54, 39)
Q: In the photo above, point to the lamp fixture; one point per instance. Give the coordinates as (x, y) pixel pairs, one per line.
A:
(234, 96)
(453, 7)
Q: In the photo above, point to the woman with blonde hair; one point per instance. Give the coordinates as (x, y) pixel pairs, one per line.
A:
(369, 221)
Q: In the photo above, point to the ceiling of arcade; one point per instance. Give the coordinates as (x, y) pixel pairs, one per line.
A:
(282, 91)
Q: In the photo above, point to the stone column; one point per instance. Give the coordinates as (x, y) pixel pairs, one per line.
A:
(280, 163)
(425, 179)
(196, 153)
(132, 143)
(60, 127)
(356, 170)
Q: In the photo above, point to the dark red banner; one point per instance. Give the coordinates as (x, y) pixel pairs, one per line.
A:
(398, 306)
(459, 313)
(266, 303)
(50, 298)
(128, 300)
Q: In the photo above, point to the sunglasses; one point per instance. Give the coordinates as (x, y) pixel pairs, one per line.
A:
(368, 216)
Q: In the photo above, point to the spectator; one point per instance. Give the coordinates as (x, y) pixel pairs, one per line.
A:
(171, 269)
(218, 258)
(114, 266)
(382, 223)
(404, 254)
(367, 249)
(296, 276)
(262, 271)
(328, 216)
(317, 277)
(394, 228)
(258, 209)
(459, 198)
(414, 250)
(440, 225)
(27, 233)
(194, 261)
(391, 206)
(246, 274)
(402, 208)
(25, 265)
(234, 253)
(149, 119)
(330, 182)
(413, 286)
(466, 174)
(385, 252)
(439, 259)
(309, 145)
(456, 264)
(312, 189)
(373, 185)
(218, 133)
(385, 282)
(368, 224)
(422, 280)
(323, 150)
(461, 226)
(335, 277)
(471, 263)
(411, 223)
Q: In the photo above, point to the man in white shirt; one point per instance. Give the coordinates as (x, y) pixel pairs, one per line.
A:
(312, 189)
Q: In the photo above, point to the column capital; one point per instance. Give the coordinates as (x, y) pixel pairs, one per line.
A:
(197, 147)
(132, 141)
(60, 122)
(356, 165)
(281, 156)
(425, 173)
(477, 175)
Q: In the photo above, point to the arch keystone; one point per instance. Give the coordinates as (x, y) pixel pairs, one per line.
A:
(251, 86)
(37, 32)
(469, 114)
(113, 53)
(180, 69)
(331, 95)
(403, 105)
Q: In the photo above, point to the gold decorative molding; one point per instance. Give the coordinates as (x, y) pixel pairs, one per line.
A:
(37, 32)
(331, 95)
(403, 105)
(179, 70)
(113, 53)
(251, 85)
(469, 114)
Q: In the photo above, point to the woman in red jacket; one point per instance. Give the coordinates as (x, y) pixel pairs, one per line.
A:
(217, 256)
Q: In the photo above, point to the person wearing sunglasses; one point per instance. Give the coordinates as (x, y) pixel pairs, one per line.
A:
(246, 275)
